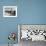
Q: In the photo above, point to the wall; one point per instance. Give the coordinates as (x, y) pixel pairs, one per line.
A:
(29, 12)
(7, 25)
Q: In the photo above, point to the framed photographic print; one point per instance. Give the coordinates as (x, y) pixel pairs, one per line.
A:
(9, 11)
(31, 32)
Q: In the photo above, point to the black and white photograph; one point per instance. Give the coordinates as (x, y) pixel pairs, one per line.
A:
(9, 11)
(28, 34)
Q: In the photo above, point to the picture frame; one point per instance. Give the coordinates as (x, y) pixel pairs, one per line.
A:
(38, 30)
(9, 11)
